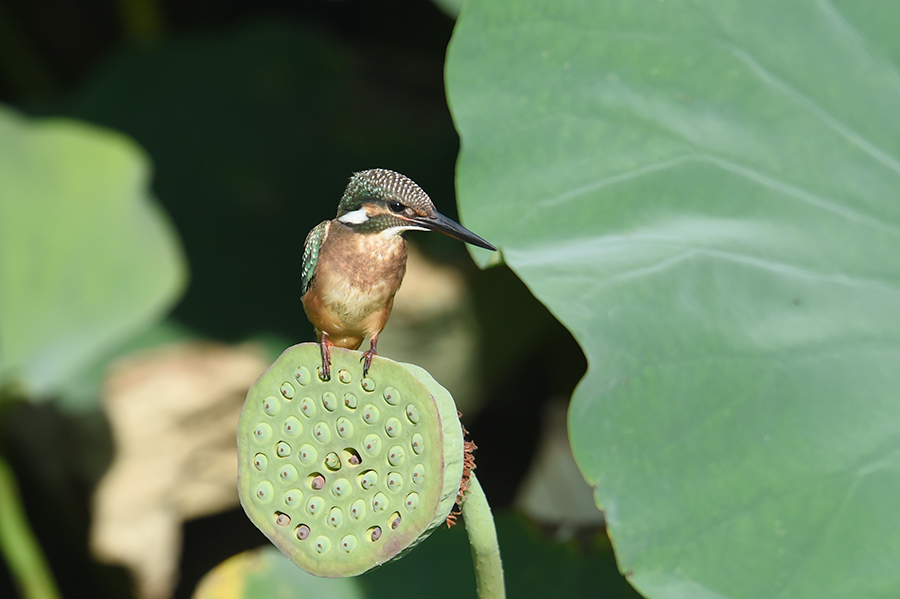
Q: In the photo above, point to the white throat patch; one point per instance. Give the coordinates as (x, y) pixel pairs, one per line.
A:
(357, 217)
(391, 231)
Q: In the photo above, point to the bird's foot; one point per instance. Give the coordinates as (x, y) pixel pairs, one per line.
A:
(368, 355)
(325, 344)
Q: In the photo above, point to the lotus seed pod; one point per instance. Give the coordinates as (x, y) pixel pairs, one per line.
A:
(346, 474)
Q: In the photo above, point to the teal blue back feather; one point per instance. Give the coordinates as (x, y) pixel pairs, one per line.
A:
(311, 248)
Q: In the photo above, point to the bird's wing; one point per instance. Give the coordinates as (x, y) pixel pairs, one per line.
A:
(311, 248)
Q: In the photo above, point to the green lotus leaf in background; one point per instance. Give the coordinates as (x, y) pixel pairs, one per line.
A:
(87, 258)
(706, 194)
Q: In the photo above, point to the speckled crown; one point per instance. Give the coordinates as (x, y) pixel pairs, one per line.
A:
(383, 185)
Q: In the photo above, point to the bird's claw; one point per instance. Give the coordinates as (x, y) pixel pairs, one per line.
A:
(367, 360)
(368, 355)
(325, 370)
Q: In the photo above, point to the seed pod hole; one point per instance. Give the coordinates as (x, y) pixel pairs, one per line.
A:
(348, 543)
(283, 449)
(302, 532)
(292, 497)
(260, 461)
(344, 427)
(391, 396)
(302, 375)
(351, 457)
(315, 481)
(395, 520)
(282, 519)
(323, 544)
(374, 533)
(271, 405)
(329, 401)
(368, 480)
(332, 461)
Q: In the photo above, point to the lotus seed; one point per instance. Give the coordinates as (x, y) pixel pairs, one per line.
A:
(321, 432)
(344, 427)
(264, 491)
(340, 486)
(335, 517)
(418, 444)
(332, 462)
(394, 481)
(367, 384)
(329, 401)
(368, 479)
(357, 509)
(412, 413)
(396, 455)
(351, 456)
(316, 481)
(344, 376)
(372, 444)
(292, 426)
(282, 449)
(271, 405)
(370, 414)
(302, 376)
(288, 473)
(418, 473)
(292, 497)
(303, 532)
(348, 543)
(412, 501)
(392, 396)
(287, 390)
(392, 427)
(375, 533)
(379, 502)
(282, 519)
(308, 454)
(315, 505)
(323, 544)
(262, 432)
(260, 461)
(395, 520)
(350, 401)
(308, 407)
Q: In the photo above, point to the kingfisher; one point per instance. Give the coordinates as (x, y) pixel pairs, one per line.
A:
(353, 264)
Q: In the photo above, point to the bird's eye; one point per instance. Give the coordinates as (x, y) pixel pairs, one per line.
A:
(396, 206)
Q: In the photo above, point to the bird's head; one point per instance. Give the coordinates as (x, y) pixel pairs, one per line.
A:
(380, 201)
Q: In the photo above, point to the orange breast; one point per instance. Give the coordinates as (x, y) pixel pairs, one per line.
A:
(352, 290)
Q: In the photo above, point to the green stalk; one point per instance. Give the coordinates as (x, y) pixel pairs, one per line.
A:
(483, 540)
(18, 545)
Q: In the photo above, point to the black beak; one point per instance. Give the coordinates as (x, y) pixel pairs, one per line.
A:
(450, 227)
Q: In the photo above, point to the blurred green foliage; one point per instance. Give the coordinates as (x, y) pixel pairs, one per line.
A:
(86, 257)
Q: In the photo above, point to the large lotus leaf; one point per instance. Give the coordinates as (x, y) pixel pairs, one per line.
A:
(706, 194)
(86, 255)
